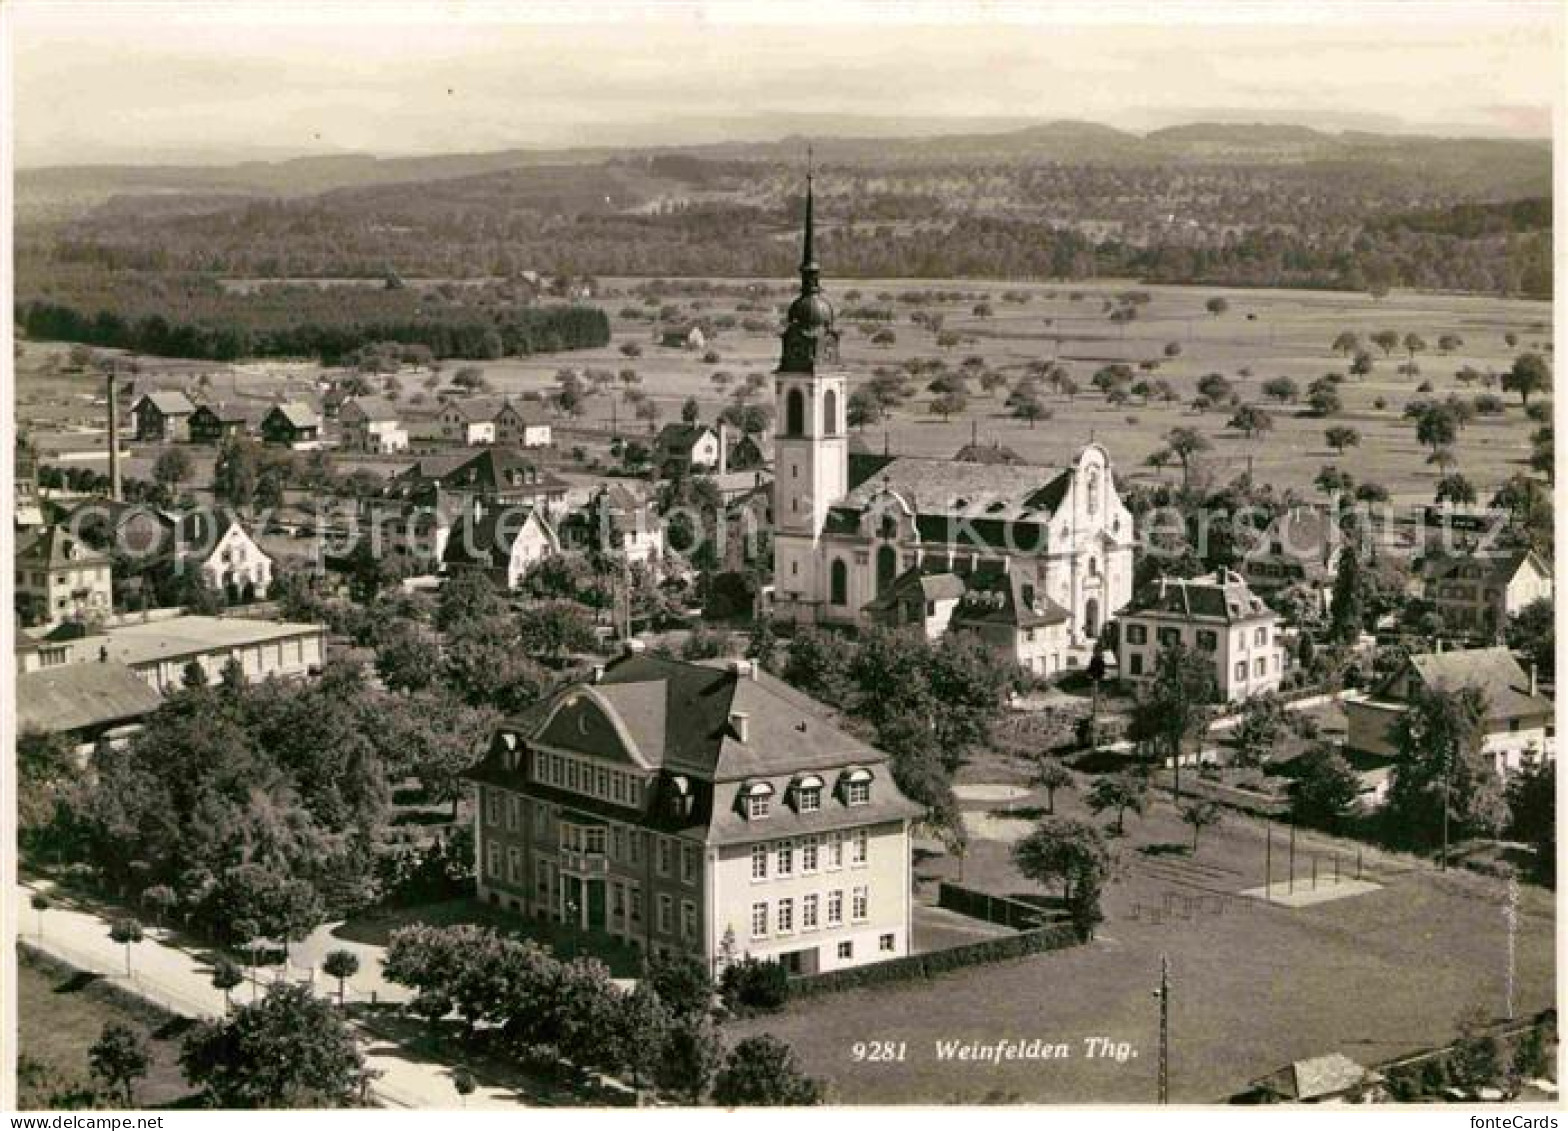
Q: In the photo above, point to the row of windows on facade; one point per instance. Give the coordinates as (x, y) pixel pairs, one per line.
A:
(625, 897)
(814, 853)
(1206, 639)
(578, 775)
(1260, 666)
(778, 918)
(795, 413)
(618, 843)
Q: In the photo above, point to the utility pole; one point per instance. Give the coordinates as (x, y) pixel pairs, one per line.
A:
(1268, 860)
(1448, 779)
(1164, 994)
(1291, 889)
(1511, 917)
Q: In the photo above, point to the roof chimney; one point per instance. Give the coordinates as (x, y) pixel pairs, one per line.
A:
(746, 669)
(598, 673)
(740, 723)
(635, 647)
(114, 435)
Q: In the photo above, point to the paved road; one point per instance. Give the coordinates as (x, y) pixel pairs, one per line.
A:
(180, 980)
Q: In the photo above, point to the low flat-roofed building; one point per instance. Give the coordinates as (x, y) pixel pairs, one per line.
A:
(160, 649)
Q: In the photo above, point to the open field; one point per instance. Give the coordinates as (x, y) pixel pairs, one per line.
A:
(1254, 985)
(61, 1014)
(1265, 334)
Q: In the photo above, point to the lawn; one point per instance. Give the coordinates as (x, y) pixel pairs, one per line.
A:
(61, 1013)
(1254, 985)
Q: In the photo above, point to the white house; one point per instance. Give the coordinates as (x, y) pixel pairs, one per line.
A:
(373, 426)
(217, 547)
(504, 542)
(1217, 615)
(516, 429)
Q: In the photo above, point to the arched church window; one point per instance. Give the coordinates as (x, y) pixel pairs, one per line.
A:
(889, 528)
(830, 413)
(839, 586)
(795, 413)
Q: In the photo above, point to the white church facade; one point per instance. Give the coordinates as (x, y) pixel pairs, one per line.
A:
(1036, 559)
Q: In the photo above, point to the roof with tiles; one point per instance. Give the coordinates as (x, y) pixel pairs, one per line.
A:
(296, 414)
(74, 697)
(488, 539)
(999, 491)
(1503, 683)
(169, 402)
(1498, 568)
(1220, 596)
(1010, 600)
(685, 720)
(56, 547)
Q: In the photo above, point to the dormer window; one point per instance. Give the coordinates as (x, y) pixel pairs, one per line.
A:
(808, 794)
(857, 787)
(759, 800)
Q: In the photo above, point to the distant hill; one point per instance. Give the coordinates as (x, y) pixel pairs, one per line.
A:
(1484, 167)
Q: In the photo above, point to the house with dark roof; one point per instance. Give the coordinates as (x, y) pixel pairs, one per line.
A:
(1519, 723)
(707, 809)
(1299, 548)
(219, 421)
(687, 337)
(162, 416)
(504, 542)
(1474, 594)
(516, 427)
(617, 519)
(848, 525)
(59, 577)
(215, 545)
(468, 421)
(686, 448)
(292, 424)
(87, 703)
(1216, 615)
(373, 425)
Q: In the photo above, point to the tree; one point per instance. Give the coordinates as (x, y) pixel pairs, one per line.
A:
(1362, 364)
(1455, 488)
(1342, 436)
(1027, 405)
(760, 1071)
(40, 903)
(226, 975)
(160, 899)
(342, 965)
(1281, 389)
(1050, 775)
(1325, 787)
(1441, 781)
(1532, 813)
(1530, 374)
(1199, 815)
(682, 983)
(864, 408)
(690, 411)
(1186, 444)
(1174, 704)
(464, 1083)
(1533, 631)
(127, 932)
(1436, 427)
(466, 596)
(1062, 850)
(1346, 343)
(172, 467)
(408, 658)
(640, 1026)
(289, 1050)
(1346, 611)
(119, 1058)
(1217, 305)
(949, 404)
(1414, 343)
(1250, 420)
(1325, 401)
(1120, 792)
(1386, 340)
(1259, 729)
(690, 1059)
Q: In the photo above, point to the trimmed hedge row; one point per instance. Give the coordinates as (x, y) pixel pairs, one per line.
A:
(936, 962)
(1000, 909)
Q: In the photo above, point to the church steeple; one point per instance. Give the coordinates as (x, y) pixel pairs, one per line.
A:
(809, 336)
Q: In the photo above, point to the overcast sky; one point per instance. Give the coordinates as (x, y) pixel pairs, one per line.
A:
(214, 81)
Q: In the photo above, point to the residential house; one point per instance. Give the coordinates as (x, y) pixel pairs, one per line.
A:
(219, 421)
(87, 703)
(468, 421)
(618, 520)
(1330, 1079)
(499, 476)
(60, 577)
(918, 599)
(1299, 548)
(685, 448)
(215, 545)
(505, 542)
(1216, 615)
(517, 428)
(1519, 722)
(1474, 594)
(292, 424)
(161, 648)
(704, 809)
(372, 426)
(1018, 620)
(162, 416)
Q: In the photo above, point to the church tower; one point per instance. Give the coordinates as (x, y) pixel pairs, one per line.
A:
(811, 455)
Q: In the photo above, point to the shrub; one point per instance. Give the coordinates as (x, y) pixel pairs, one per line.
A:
(752, 985)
